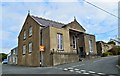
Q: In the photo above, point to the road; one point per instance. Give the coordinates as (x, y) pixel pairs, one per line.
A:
(96, 67)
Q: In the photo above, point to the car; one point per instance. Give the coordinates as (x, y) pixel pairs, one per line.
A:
(5, 61)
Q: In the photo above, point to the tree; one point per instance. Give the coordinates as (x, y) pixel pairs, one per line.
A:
(3, 56)
(115, 50)
(111, 42)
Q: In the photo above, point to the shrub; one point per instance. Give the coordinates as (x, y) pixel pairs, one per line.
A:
(112, 42)
(115, 50)
(106, 54)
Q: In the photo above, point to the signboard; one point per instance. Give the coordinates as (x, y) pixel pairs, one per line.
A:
(42, 48)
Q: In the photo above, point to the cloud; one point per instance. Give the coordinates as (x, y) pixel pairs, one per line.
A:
(58, 0)
(5, 50)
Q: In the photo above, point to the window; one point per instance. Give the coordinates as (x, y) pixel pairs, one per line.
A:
(59, 41)
(24, 49)
(13, 59)
(14, 51)
(74, 41)
(30, 31)
(24, 37)
(30, 47)
(90, 45)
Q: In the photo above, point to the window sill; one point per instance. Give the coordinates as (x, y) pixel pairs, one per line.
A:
(30, 52)
(30, 35)
(74, 48)
(24, 39)
(60, 49)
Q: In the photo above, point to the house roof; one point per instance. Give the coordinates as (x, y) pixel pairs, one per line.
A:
(46, 22)
(75, 21)
(100, 42)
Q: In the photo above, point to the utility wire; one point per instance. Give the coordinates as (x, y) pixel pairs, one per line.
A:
(106, 32)
(101, 9)
(104, 11)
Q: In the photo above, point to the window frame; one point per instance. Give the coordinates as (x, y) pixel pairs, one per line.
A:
(24, 35)
(30, 30)
(14, 51)
(60, 41)
(13, 59)
(74, 42)
(90, 46)
(30, 47)
(24, 49)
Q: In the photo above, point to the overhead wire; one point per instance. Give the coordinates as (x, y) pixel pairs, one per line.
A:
(104, 11)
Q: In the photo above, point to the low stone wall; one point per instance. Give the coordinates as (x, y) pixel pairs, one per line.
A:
(62, 58)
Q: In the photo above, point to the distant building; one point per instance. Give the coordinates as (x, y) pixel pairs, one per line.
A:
(13, 56)
(103, 47)
(9, 58)
(61, 43)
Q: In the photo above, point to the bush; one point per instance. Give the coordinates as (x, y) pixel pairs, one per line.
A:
(3, 56)
(106, 54)
(115, 50)
(112, 42)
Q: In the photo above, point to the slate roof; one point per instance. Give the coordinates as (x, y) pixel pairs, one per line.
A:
(46, 22)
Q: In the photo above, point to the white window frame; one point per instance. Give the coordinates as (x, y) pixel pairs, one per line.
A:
(74, 42)
(24, 49)
(90, 46)
(30, 47)
(13, 59)
(59, 41)
(24, 35)
(30, 31)
(13, 51)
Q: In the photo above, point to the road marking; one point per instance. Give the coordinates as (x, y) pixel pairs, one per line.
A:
(65, 69)
(101, 73)
(76, 69)
(85, 73)
(91, 71)
(71, 70)
(82, 70)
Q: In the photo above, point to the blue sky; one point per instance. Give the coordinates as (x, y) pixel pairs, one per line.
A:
(95, 21)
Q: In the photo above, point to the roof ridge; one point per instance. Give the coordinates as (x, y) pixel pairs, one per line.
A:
(48, 19)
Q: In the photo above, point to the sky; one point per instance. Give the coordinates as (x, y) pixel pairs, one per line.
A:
(97, 22)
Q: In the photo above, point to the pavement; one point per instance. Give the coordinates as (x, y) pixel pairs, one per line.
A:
(95, 67)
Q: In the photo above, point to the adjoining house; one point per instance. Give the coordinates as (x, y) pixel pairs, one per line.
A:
(61, 43)
(9, 58)
(103, 47)
(13, 56)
